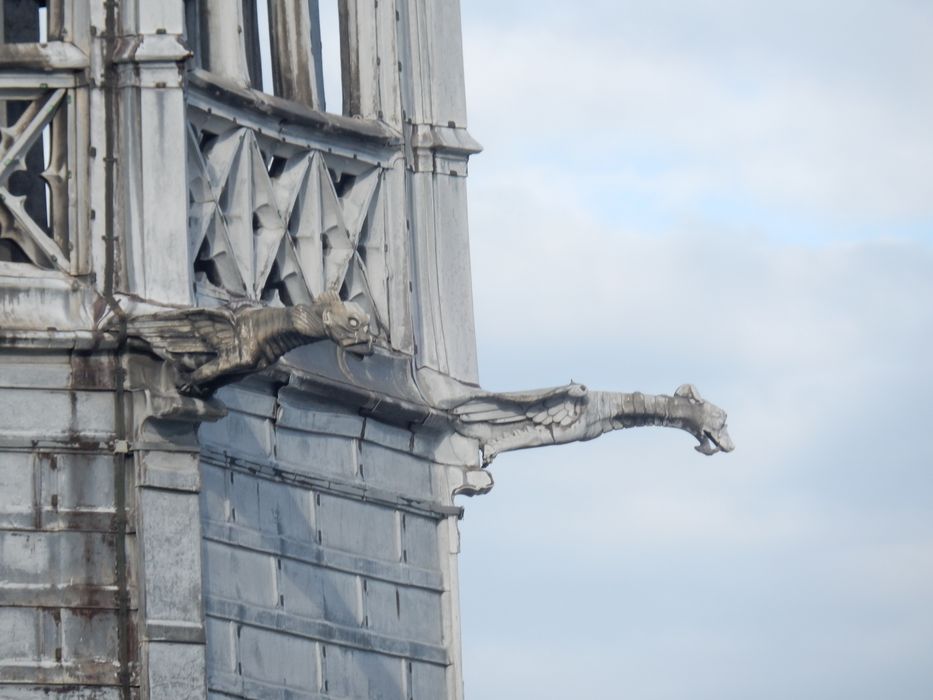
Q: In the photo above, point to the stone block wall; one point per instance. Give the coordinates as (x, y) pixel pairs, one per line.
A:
(61, 579)
(326, 558)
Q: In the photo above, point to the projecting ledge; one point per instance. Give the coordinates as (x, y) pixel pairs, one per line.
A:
(56, 340)
(215, 93)
(172, 471)
(469, 482)
(449, 139)
(380, 386)
(442, 149)
(179, 631)
(49, 56)
(151, 48)
(39, 303)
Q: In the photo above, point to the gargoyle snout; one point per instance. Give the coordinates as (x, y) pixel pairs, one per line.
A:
(713, 441)
(724, 440)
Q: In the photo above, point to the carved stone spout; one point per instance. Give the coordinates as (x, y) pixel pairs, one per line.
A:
(212, 347)
(514, 421)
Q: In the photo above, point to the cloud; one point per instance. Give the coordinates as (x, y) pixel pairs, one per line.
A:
(806, 549)
(544, 268)
(735, 195)
(777, 113)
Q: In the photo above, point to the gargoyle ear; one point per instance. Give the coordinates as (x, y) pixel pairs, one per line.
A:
(327, 316)
(688, 391)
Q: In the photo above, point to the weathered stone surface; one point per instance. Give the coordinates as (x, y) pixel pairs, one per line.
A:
(395, 470)
(176, 671)
(211, 347)
(427, 680)
(239, 575)
(319, 593)
(404, 612)
(357, 673)
(419, 542)
(286, 510)
(318, 454)
(516, 421)
(358, 528)
(242, 433)
(172, 575)
(65, 692)
(69, 417)
(278, 659)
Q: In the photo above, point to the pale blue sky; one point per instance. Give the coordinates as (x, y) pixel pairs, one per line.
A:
(738, 195)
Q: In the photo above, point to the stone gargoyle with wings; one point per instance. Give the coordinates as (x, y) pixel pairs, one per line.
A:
(210, 347)
(512, 421)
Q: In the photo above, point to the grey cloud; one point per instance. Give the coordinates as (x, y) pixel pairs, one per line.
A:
(799, 565)
(824, 107)
(793, 567)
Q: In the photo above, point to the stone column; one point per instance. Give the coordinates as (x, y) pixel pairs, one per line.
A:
(161, 430)
(149, 121)
(434, 111)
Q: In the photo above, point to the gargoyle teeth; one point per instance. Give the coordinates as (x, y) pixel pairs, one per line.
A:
(706, 446)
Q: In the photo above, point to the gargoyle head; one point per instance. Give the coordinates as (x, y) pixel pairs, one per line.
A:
(707, 422)
(347, 324)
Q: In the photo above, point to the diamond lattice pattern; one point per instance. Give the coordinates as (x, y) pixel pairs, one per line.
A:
(283, 230)
(42, 241)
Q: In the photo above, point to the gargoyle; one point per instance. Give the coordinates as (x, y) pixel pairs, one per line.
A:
(514, 421)
(212, 346)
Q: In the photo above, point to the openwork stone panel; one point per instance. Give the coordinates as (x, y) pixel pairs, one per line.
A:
(281, 228)
(35, 219)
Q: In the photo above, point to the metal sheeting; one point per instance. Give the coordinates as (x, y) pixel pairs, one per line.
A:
(59, 587)
(318, 581)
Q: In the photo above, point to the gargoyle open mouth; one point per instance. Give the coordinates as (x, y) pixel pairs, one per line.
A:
(711, 443)
(362, 348)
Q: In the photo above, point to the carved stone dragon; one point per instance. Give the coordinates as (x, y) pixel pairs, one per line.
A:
(513, 421)
(210, 347)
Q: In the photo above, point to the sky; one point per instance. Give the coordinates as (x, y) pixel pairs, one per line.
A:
(737, 195)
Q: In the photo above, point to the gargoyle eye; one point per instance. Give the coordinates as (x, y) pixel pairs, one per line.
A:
(353, 323)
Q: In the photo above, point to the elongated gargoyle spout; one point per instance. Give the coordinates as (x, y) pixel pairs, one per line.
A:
(513, 421)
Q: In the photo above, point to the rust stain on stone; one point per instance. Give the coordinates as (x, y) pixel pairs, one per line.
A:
(91, 371)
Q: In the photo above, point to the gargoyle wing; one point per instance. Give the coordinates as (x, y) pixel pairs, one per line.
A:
(511, 421)
(174, 334)
(549, 407)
